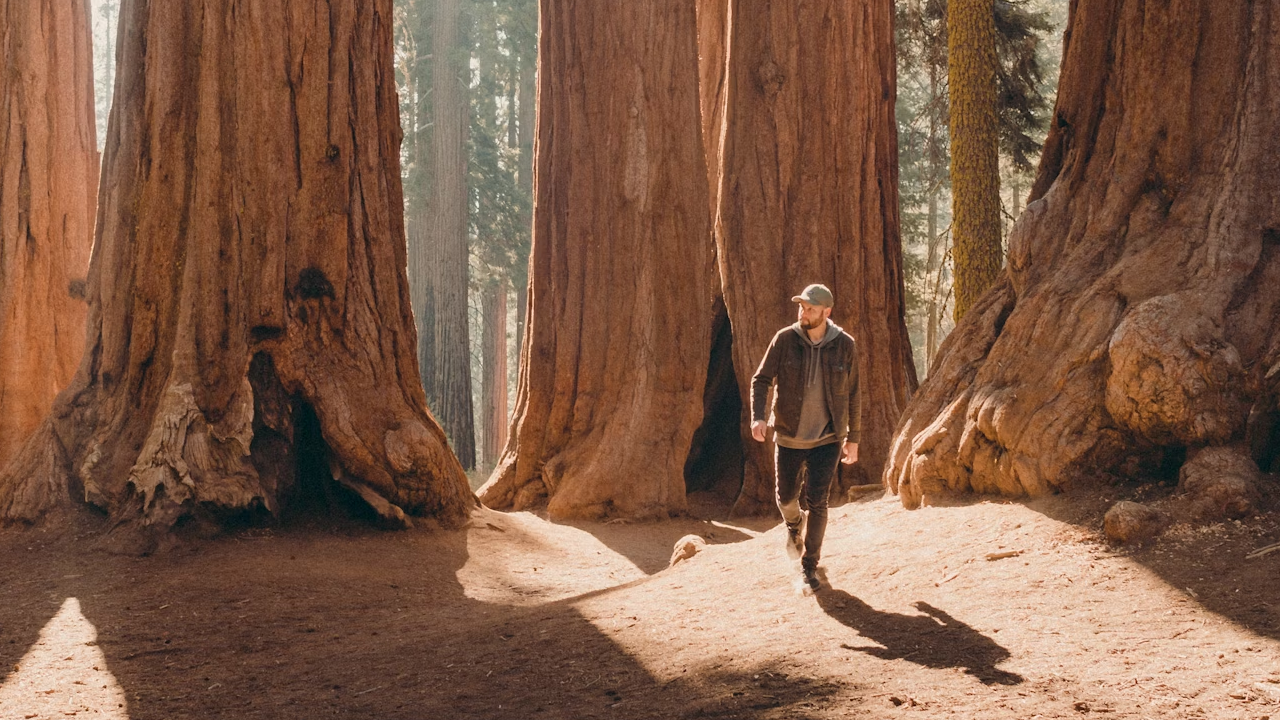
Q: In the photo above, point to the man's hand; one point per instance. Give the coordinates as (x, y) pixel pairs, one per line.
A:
(850, 454)
(757, 430)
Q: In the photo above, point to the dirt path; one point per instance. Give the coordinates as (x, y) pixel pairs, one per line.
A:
(519, 618)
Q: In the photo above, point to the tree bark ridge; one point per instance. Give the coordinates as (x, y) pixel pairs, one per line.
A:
(48, 188)
(1136, 322)
(614, 358)
(248, 273)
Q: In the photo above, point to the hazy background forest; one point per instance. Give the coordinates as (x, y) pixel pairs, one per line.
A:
(470, 359)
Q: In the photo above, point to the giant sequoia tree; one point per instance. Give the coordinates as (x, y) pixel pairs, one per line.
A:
(1136, 322)
(619, 330)
(48, 182)
(250, 334)
(808, 193)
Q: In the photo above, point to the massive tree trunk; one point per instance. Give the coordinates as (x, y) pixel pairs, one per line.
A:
(975, 149)
(808, 193)
(48, 188)
(1137, 322)
(619, 331)
(447, 230)
(250, 335)
(713, 46)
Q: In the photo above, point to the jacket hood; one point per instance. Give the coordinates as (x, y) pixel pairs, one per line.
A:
(811, 354)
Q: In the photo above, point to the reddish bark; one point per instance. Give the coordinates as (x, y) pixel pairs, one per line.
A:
(808, 193)
(494, 360)
(250, 329)
(1136, 322)
(622, 282)
(48, 188)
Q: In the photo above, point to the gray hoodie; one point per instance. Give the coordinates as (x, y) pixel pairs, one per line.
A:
(815, 427)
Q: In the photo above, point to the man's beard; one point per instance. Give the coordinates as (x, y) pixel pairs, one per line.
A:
(809, 325)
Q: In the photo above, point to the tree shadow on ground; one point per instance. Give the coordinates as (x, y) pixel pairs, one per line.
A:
(1209, 558)
(933, 639)
(316, 623)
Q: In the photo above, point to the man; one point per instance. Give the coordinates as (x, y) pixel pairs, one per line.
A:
(816, 417)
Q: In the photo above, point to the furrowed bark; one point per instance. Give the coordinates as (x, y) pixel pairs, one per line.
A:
(250, 330)
(808, 193)
(494, 392)
(1136, 324)
(48, 188)
(619, 329)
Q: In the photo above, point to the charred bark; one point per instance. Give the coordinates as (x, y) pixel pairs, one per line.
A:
(249, 313)
(1136, 322)
(808, 193)
(622, 283)
(48, 188)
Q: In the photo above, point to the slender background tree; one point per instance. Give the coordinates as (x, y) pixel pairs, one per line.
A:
(1028, 38)
(975, 172)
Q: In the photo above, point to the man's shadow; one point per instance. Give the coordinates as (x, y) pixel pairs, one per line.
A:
(934, 639)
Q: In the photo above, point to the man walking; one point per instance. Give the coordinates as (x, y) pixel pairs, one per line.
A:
(816, 417)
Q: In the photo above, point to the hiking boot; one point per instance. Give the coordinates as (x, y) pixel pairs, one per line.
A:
(811, 578)
(795, 538)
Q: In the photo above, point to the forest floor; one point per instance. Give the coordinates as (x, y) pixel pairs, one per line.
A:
(516, 617)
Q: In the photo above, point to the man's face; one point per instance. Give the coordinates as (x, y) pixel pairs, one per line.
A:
(812, 316)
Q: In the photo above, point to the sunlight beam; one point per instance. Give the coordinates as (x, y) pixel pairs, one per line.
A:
(64, 674)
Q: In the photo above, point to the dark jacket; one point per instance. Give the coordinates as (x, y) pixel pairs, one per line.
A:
(785, 362)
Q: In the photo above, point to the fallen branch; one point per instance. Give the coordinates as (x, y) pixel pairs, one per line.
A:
(1262, 551)
(948, 578)
(1003, 555)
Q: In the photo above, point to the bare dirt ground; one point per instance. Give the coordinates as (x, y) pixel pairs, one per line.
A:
(515, 617)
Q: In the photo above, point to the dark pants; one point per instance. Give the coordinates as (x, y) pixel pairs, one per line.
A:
(821, 462)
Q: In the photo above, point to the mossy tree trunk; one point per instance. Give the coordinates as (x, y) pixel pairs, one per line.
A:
(975, 149)
(48, 188)
(1137, 321)
(250, 330)
(622, 282)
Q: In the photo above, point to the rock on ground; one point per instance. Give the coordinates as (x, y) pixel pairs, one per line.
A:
(1221, 483)
(1130, 522)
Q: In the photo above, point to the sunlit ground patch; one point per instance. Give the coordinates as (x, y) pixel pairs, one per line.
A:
(64, 674)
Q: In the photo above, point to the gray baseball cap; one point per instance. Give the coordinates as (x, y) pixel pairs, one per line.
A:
(816, 294)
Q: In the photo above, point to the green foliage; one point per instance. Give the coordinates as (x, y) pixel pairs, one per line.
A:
(1020, 45)
(504, 34)
(1027, 80)
(501, 38)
